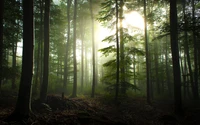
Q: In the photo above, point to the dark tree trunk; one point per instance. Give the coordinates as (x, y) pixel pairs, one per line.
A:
(196, 87)
(1, 41)
(147, 55)
(23, 105)
(82, 55)
(67, 45)
(74, 52)
(43, 92)
(122, 65)
(117, 47)
(39, 57)
(175, 57)
(93, 52)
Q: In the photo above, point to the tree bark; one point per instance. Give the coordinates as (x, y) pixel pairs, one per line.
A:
(23, 105)
(175, 57)
(74, 52)
(147, 55)
(1, 41)
(117, 47)
(195, 85)
(67, 45)
(43, 92)
(93, 52)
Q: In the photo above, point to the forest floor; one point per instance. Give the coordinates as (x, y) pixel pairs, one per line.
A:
(100, 111)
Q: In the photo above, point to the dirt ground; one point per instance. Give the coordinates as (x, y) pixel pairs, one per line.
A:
(100, 111)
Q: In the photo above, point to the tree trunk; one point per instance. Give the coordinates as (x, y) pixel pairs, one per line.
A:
(93, 52)
(43, 92)
(23, 105)
(39, 57)
(122, 65)
(82, 56)
(67, 45)
(175, 57)
(196, 87)
(147, 55)
(74, 52)
(1, 41)
(117, 47)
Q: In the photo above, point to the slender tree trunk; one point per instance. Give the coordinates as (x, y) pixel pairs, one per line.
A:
(67, 45)
(117, 47)
(23, 105)
(196, 87)
(82, 56)
(93, 52)
(122, 65)
(86, 67)
(74, 52)
(43, 92)
(175, 57)
(147, 55)
(1, 41)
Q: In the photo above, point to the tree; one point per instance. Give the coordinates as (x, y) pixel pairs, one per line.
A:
(74, 52)
(23, 105)
(117, 46)
(93, 52)
(175, 57)
(147, 54)
(38, 66)
(195, 84)
(1, 40)
(67, 45)
(43, 92)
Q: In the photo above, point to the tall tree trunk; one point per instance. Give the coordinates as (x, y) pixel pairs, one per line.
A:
(175, 57)
(147, 55)
(86, 67)
(122, 65)
(74, 52)
(117, 47)
(39, 56)
(93, 52)
(82, 56)
(43, 92)
(67, 45)
(195, 90)
(23, 105)
(1, 41)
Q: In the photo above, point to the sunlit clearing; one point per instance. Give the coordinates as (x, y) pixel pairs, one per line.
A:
(133, 19)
